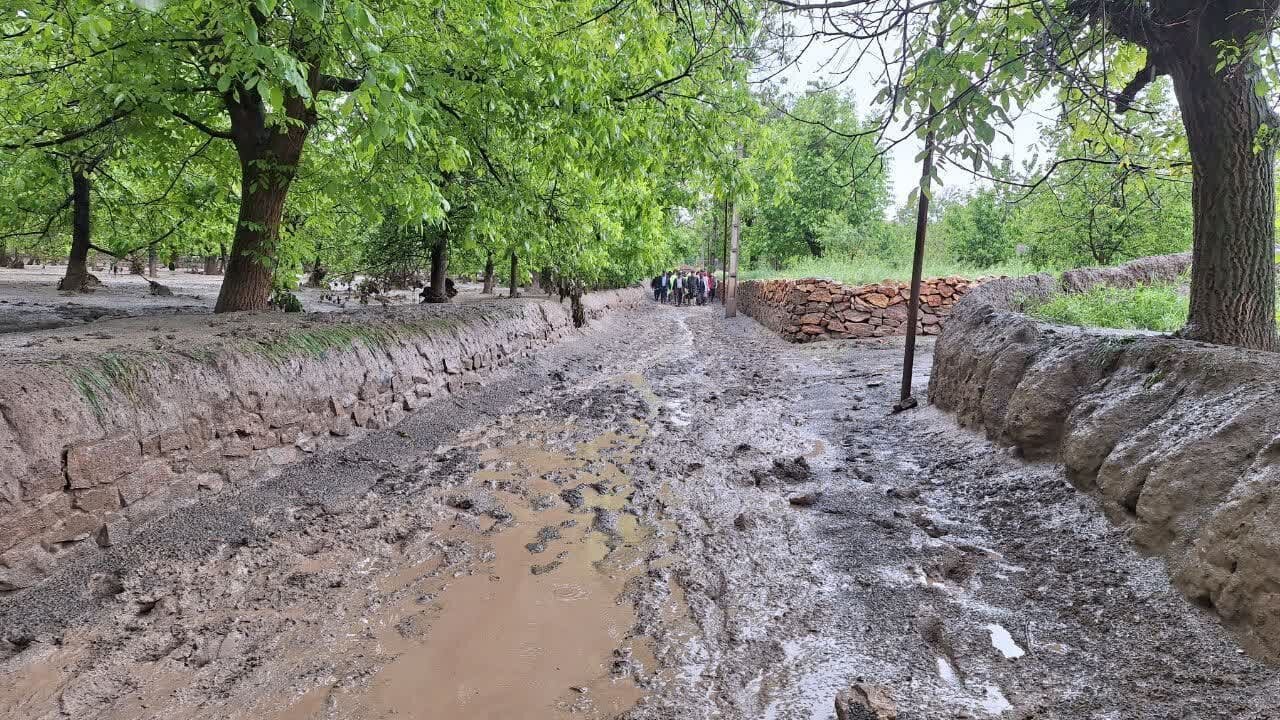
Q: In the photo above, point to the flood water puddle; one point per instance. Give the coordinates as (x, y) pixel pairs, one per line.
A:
(1003, 641)
(540, 629)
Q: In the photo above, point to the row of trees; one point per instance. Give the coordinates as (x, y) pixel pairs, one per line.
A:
(358, 134)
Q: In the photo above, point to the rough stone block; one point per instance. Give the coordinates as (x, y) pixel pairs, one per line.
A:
(143, 481)
(102, 461)
(99, 499)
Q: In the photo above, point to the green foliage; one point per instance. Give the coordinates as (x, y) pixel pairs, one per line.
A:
(819, 188)
(978, 231)
(1160, 307)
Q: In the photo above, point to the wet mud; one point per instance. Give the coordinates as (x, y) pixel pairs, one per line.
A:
(685, 518)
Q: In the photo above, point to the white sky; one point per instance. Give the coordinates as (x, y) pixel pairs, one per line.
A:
(827, 65)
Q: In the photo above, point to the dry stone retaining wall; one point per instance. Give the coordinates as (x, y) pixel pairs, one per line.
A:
(93, 442)
(1180, 440)
(812, 309)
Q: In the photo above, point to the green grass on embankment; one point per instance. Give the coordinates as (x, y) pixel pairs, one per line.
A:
(872, 270)
(1161, 307)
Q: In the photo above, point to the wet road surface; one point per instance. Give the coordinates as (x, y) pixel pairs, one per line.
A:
(676, 516)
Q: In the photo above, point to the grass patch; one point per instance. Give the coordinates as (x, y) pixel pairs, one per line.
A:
(1161, 307)
(111, 373)
(341, 337)
(874, 270)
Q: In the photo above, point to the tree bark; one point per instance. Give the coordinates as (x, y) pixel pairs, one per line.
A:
(77, 274)
(436, 291)
(577, 311)
(515, 266)
(153, 270)
(269, 158)
(489, 279)
(1233, 202)
(211, 265)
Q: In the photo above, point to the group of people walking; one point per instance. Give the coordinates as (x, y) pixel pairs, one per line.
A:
(682, 287)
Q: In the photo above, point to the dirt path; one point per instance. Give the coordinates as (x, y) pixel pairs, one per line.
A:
(676, 517)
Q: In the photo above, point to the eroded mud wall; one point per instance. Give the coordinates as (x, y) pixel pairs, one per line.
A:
(1180, 440)
(94, 440)
(811, 310)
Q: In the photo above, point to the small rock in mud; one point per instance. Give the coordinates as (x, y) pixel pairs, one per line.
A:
(795, 470)
(808, 499)
(573, 497)
(911, 493)
(864, 701)
(605, 521)
(743, 522)
(541, 569)
(460, 502)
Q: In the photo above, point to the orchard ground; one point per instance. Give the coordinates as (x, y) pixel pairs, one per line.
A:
(672, 516)
(30, 299)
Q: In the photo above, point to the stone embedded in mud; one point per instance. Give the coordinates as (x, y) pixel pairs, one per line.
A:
(865, 701)
(808, 499)
(795, 470)
(101, 461)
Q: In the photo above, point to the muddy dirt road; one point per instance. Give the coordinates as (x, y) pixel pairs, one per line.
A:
(674, 517)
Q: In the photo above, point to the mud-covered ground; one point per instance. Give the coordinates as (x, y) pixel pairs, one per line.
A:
(676, 516)
(30, 299)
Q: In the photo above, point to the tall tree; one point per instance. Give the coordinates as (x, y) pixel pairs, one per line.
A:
(1001, 55)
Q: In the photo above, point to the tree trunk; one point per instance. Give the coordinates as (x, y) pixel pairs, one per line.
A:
(77, 274)
(222, 258)
(437, 292)
(269, 158)
(515, 266)
(489, 279)
(578, 312)
(153, 270)
(1233, 203)
(211, 265)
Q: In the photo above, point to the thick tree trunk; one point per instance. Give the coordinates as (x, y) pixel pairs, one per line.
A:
(247, 285)
(153, 270)
(437, 292)
(77, 273)
(515, 267)
(489, 279)
(1233, 202)
(269, 160)
(211, 265)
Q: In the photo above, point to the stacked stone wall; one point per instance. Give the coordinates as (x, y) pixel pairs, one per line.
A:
(813, 309)
(92, 443)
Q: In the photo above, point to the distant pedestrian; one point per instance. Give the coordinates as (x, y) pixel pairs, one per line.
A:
(678, 286)
(656, 285)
